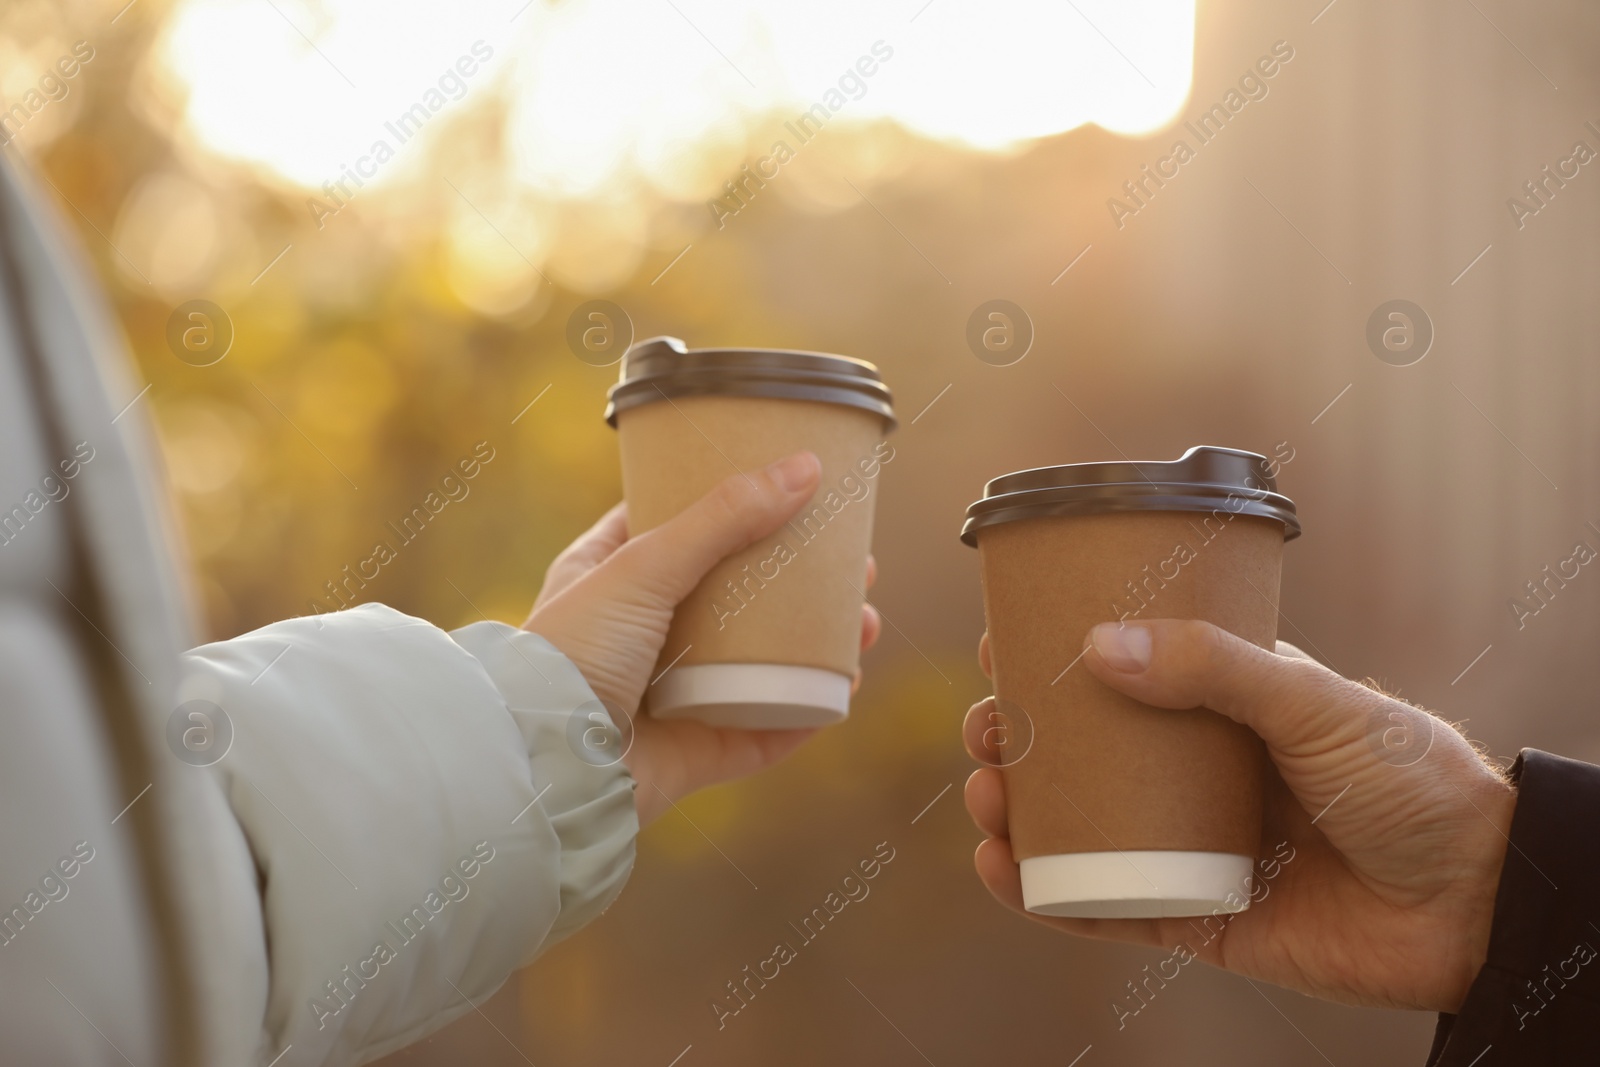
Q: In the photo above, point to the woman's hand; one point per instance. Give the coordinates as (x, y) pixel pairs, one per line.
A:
(607, 603)
(1398, 826)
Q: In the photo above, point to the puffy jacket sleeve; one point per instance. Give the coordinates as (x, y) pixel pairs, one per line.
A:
(425, 810)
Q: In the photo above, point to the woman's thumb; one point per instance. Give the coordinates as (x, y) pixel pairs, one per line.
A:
(673, 557)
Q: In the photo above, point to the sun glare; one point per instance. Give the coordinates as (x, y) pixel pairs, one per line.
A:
(603, 94)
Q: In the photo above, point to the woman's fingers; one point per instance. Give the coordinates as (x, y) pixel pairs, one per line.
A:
(671, 559)
(871, 626)
(591, 549)
(984, 662)
(871, 622)
(680, 756)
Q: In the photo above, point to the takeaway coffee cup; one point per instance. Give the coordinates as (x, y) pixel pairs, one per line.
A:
(1118, 809)
(770, 639)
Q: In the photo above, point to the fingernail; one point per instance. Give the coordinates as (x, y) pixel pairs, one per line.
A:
(1125, 648)
(795, 472)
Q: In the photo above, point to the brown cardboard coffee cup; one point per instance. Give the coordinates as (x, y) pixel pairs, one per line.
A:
(1118, 809)
(770, 639)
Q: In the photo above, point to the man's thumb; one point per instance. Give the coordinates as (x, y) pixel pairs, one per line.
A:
(1293, 704)
(673, 557)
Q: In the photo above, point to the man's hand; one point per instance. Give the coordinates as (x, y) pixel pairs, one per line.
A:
(608, 600)
(1389, 896)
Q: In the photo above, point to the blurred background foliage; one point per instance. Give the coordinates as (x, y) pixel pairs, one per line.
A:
(373, 353)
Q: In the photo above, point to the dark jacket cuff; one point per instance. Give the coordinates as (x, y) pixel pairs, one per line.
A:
(1537, 998)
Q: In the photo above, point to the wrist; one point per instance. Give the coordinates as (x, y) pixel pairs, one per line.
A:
(1497, 805)
(649, 798)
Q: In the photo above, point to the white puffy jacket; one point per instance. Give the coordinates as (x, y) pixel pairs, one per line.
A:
(397, 819)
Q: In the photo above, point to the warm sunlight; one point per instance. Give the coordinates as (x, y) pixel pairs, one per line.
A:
(600, 94)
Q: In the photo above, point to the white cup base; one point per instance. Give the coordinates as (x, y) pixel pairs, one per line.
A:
(752, 696)
(1136, 885)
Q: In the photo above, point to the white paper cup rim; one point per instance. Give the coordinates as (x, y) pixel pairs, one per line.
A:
(752, 695)
(1137, 885)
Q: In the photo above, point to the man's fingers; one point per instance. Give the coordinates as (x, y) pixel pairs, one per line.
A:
(1293, 704)
(985, 731)
(673, 557)
(985, 664)
(1294, 652)
(999, 873)
(986, 801)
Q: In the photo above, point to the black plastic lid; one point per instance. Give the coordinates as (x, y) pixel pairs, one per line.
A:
(1202, 479)
(662, 367)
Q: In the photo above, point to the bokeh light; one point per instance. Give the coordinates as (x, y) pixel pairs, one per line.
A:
(429, 312)
(606, 92)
